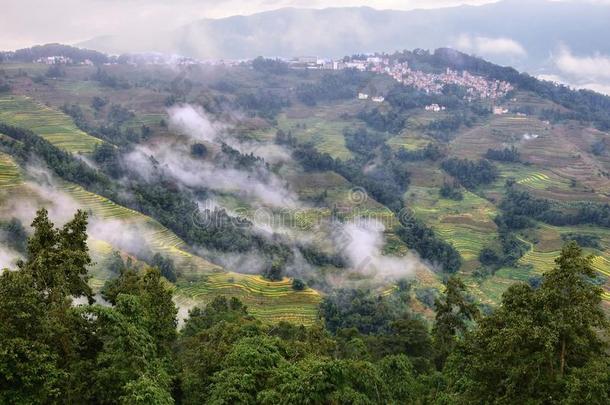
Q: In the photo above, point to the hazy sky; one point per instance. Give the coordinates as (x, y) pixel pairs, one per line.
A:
(28, 22)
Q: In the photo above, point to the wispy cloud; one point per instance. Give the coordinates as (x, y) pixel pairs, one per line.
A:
(361, 243)
(589, 67)
(486, 46)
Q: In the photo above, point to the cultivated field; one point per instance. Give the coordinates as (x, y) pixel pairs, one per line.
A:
(51, 124)
(467, 224)
(270, 301)
(10, 174)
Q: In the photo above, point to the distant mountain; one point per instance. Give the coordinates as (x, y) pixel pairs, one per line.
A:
(523, 33)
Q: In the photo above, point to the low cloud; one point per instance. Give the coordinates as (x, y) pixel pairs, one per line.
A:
(128, 236)
(589, 68)
(8, 258)
(194, 123)
(361, 243)
(174, 160)
(486, 46)
(601, 86)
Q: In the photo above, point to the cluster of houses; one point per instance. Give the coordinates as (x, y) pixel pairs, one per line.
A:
(476, 87)
(370, 63)
(60, 60)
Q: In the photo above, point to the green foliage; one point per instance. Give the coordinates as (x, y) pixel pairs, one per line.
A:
(359, 309)
(519, 206)
(583, 240)
(298, 284)
(454, 312)
(423, 239)
(504, 155)
(97, 103)
(362, 142)
(54, 71)
(431, 152)
(471, 174)
(109, 80)
(538, 344)
(240, 160)
(199, 150)
(165, 266)
(333, 86)
(36, 315)
(13, 234)
(390, 121)
(77, 55)
(270, 66)
(283, 138)
(451, 191)
(261, 103)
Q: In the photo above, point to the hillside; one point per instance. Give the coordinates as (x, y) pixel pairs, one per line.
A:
(248, 177)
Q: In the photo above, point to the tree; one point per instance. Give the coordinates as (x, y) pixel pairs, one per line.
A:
(571, 304)
(165, 266)
(539, 344)
(155, 299)
(14, 235)
(245, 371)
(127, 354)
(453, 314)
(199, 150)
(298, 284)
(97, 103)
(40, 337)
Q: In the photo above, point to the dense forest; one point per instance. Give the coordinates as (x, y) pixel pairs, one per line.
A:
(542, 344)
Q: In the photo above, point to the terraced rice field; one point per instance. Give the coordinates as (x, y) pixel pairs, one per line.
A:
(327, 136)
(10, 175)
(100, 253)
(550, 242)
(409, 140)
(491, 289)
(541, 181)
(269, 301)
(53, 125)
(531, 177)
(99, 205)
(513, 128)
(468, 224)
(601, 264)
(545, 261)
(157, 237)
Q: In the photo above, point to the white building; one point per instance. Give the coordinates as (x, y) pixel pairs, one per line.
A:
(499, 111)
(434, 108)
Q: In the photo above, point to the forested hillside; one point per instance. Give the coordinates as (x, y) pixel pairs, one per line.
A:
(541, 344)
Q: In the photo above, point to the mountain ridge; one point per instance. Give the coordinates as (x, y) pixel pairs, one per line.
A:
(291, 31)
